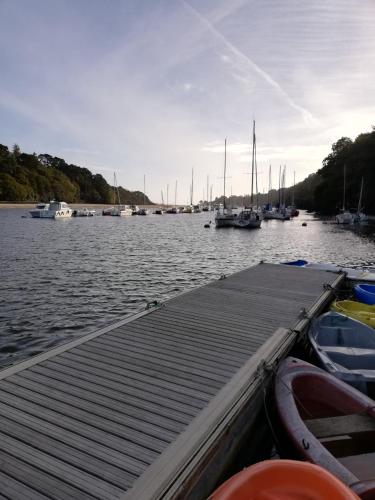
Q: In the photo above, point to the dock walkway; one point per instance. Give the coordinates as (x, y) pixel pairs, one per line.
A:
(141, 409)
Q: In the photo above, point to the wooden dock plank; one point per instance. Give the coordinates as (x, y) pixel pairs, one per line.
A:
(96, 418)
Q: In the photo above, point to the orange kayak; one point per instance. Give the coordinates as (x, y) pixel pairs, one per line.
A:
(283, 480)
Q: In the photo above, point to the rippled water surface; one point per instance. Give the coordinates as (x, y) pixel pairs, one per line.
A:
(65, 278)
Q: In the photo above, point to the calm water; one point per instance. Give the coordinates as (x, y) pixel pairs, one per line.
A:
(65, 278)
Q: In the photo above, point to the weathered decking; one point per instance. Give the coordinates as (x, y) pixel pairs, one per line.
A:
(139, 409)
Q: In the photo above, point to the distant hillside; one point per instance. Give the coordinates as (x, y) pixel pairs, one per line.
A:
(31, 178)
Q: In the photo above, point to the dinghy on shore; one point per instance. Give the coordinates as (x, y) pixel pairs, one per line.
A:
(345, 348)
(357, 310)
(328, 423)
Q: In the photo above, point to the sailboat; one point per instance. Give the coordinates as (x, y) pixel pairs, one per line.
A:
(345, 216)
(250, 218)
(292, 210)
(360, 217)
(224, 216)
(143, 210)
(117, 210)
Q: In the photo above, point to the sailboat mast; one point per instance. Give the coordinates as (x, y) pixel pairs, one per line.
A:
(192, 186)
(225, 168)
(167, 193)
(280, 188)
(175, 195)
(360, 198)
(252, 166)
(343, 198)
(269, 186)
(294, 185)
(207, 188)
(256, 170)
(162, 197)
(144, 189)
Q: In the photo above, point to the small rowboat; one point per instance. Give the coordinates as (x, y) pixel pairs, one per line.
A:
(298, 263)
(356, 310)
(365, 293)
(283, 480)
(346, 349)
(328, 423)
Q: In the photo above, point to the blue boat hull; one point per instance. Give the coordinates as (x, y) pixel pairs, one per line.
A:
(365, 293)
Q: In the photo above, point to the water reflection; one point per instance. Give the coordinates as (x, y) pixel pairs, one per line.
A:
(65, 278)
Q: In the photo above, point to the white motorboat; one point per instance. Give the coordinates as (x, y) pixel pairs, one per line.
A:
(40, 210)
(53, 210)
(247, 219)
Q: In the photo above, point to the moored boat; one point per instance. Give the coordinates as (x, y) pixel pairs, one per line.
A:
(356, 310)
(247, 219)
(283, 479)
(345, 348)
(83, 212)
(40, 210)
(328, 423)
(365, 293)
(53, 210)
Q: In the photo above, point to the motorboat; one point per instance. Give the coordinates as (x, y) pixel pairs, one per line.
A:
(53, 210)
(345, 348)
(328, 423)
(364, 313)
(40, 210)
(247, 219)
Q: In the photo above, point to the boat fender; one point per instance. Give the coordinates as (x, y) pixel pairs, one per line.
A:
(207, 226)
(304, 224)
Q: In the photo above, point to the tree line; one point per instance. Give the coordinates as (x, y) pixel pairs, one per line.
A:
(28, 177)
(323, 191)
(33, 178)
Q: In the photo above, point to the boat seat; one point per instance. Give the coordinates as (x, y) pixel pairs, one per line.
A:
(342, 425)
(344, 435)
(362, 466)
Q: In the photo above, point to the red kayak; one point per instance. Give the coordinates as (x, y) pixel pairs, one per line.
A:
(283, 480)
(329, 423)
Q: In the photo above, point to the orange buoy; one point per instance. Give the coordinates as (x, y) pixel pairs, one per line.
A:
(283, 480)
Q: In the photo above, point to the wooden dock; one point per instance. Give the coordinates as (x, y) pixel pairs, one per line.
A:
(155, 405)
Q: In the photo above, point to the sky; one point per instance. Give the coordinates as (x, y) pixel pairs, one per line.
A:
(153, 87)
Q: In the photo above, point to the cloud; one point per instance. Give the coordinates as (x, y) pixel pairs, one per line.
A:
(242, 61)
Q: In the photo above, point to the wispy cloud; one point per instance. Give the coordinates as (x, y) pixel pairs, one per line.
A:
(242, 61)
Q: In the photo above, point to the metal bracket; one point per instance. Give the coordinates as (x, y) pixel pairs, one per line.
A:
(152, 304)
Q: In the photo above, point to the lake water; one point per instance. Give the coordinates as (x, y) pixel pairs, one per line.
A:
(65, 278)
